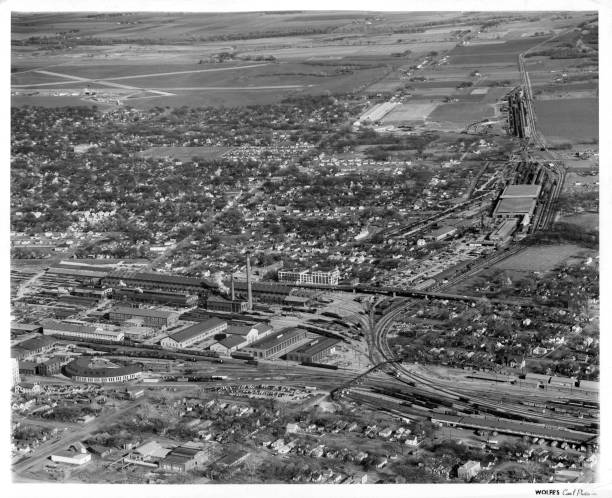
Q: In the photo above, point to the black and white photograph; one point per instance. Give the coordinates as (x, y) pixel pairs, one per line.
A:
(304, 245)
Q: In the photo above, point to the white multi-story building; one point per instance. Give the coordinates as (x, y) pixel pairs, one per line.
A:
(309, 277)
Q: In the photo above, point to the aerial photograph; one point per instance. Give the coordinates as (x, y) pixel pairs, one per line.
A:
(305, 247)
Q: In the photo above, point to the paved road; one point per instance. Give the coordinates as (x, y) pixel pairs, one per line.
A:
(45, 450)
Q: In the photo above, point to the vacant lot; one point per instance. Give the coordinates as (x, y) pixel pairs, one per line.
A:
(589, 221)
(541, 258)
(572, 119)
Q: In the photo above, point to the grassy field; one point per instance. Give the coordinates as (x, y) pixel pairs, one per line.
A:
(571, 119)
(541, 258)
(461, 113)
(416, 111)
(589, 221)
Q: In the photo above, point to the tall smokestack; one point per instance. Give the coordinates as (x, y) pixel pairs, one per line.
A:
(248, 272)
(232, 287)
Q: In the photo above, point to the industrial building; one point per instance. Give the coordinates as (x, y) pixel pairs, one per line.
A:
(52, 366)
(157, 281)
(37, 345)
(313, 351)
(504, 231)
(517, 201)
(267, 292)
(67, 330)
(441, 233)
(194, 334)
(229, 344)
(277, 344)
(24, 328)
(177, 299)
(309, 277)
(518, 123)
(184, 459)
(80, 370)
(504, 426)
(151, 318)
(219, 303)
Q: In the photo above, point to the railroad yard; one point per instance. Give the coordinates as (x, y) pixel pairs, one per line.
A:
(305, 248)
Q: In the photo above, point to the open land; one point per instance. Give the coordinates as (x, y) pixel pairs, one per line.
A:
(268, 247)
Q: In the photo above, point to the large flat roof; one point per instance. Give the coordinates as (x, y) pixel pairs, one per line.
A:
(196, 329)
(160, 278)
(142, 312)
(274, 339)
(515, 205)
(315, 346)
(521, 190)
(514, 427)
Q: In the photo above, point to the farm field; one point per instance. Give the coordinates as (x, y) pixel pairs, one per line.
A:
(570, 119)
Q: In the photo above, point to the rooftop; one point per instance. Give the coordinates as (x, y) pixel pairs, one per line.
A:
(161, 278)
(524, 190)
(196, 329)
(81, 367)
(37, 343)
(232, 341)
(126, 310)
(316, 345)
(274, 339)
(516, 205)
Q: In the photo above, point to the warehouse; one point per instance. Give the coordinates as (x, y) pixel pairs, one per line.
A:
(157, 281)
(196, 333)
(504, 231)
(515, 428)
(229, 344)
(67, 330)
(38, 345)
(313, 351)
(521, 190)
(441, 233)
(24, 328)
(178, 299)
(218, 303)
(80, 370)
(277, 344)
(151, 318)
(266, 292)
(517, 201)
(515, 207)
(184, 459)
